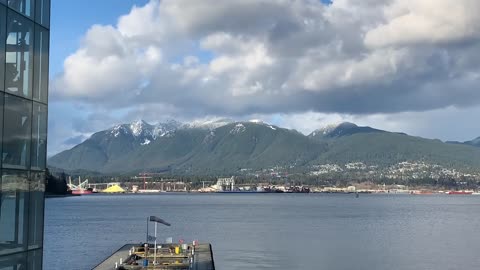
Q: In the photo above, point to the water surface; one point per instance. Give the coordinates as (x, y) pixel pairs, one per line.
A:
(275, 231)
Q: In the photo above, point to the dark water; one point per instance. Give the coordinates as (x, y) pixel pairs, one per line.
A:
(275, 231)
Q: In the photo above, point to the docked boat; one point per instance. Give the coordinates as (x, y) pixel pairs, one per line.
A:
(81, 188)
(81, 191)
(461, 192)
(422, 192)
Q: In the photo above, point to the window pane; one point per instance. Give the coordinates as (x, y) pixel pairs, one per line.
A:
(19, 55)
(17, 132)
(40, 76)
(42, 12)
(3, 23)
(13, 262)
(2, 95)
(35, 260)
(13, 212)
(35, 219)
(39, 136)
(22, 6)
(3, 2)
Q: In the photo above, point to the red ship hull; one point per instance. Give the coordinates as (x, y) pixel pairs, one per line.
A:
(459, 193)
(81, 192)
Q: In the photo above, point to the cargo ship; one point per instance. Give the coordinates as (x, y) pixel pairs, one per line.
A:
(81, 188)
(422, 192)
(462, 192)
(81, 191)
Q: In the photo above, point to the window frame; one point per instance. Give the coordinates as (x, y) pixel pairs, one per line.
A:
(26, 104)
(38, 154)
(25, 23)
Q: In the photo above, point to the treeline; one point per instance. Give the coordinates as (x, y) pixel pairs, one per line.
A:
(56, 184)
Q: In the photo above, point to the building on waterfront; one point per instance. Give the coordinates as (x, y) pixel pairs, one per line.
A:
(24, 52)
(225, 184)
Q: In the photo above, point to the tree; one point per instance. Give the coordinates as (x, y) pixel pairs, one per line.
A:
(56, 185)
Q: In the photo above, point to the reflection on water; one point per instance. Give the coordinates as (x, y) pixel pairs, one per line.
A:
(275, 231)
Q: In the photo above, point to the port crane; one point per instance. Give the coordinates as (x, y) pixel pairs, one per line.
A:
(81, 185)
(145, 176)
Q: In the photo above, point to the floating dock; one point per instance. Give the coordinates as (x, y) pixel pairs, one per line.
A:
(168, 256)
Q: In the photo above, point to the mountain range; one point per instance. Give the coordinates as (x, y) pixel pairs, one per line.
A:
(225, 147)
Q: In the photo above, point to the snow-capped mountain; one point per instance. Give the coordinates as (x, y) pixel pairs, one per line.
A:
(238, 128)
(145, 132)
(209, 124)
(166, 128)
(341, 129)
(201, 148)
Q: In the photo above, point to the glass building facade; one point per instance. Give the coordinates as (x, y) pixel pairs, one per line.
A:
(24, 51)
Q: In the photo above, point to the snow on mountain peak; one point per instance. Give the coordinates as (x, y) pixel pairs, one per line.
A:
(210, 123)
(165, 129)
(116, 130)
(255, 121)
(144, 131)
(238, 128)
(137, 127)
(328, 129)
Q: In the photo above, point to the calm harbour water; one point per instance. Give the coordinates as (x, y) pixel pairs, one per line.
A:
(274, 231)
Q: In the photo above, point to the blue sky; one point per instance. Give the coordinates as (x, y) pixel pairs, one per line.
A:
(298, 64)
(70, 21)
(72, 18)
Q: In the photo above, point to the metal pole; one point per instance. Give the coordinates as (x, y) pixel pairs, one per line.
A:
(155, 251)
(146, 237)
(144, 181)
(145, 263)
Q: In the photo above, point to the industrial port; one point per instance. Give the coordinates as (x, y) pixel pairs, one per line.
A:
(228, 185)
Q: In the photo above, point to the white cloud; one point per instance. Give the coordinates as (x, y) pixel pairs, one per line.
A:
(270, 52)
(426, 21)
(243, 57)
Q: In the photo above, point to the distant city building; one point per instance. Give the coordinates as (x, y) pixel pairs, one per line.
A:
(24, 52)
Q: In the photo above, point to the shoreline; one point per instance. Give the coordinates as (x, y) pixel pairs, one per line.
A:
(50, 195)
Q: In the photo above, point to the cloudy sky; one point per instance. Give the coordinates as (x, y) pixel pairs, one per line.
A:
(400, 65)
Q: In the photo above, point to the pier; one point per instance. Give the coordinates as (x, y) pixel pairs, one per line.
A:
(167, 256)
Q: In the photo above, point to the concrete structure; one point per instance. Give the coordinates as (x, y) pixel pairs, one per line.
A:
(24, 51)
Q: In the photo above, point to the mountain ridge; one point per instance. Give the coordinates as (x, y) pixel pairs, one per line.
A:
(225, 146)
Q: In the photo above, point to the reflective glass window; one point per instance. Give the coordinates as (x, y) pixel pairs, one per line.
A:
(23, 6)
(3, 2)
(35, 213)
(3, 28)
(40, 77)
(13, 262)
(42, 12)
(2, 95)
(14, 188)
(16, 132)
(34, 260)
(19, 55)
(39, 136)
